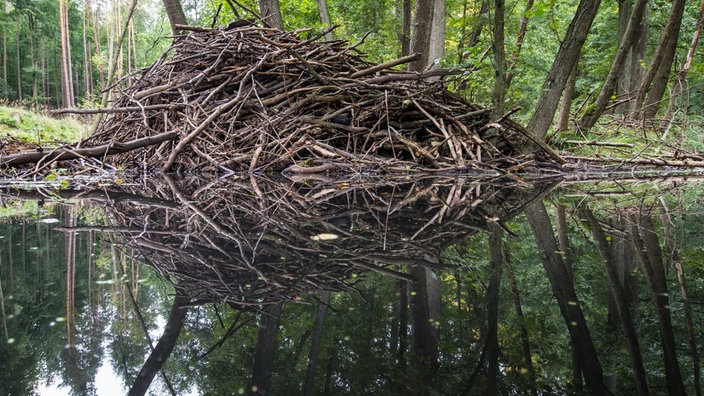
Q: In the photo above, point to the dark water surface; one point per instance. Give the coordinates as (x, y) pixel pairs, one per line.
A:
(427, 286)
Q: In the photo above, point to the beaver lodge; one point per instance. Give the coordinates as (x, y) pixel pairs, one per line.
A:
(259, 99)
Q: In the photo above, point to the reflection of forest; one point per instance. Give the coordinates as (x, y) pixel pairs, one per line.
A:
(595, 306)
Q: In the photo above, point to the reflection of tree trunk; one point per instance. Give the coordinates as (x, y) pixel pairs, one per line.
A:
(70, 277)
(621, 300)
(689, 321)
(648, 249)
(266, 346)
(402, 324)
(425, 311)
(492, 296)
(565, 251)
(525, 341)
(163, 348)
(5, 333)
(566, 297)
(316, 342)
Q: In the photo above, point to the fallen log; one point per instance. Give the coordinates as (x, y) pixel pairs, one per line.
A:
(14, 160)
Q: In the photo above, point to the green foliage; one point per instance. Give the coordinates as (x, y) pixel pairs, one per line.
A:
(31, 127)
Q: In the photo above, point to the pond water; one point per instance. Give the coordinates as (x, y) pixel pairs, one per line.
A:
(428, 286)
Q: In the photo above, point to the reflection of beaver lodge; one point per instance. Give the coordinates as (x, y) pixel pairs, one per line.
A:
(255, 241)
(253, 98)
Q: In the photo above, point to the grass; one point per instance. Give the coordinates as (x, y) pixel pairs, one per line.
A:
(31, 127)
(631, 140)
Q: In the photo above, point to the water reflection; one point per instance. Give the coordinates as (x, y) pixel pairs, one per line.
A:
(418, 286)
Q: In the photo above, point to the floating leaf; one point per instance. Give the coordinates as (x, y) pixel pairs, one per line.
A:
(324, 237)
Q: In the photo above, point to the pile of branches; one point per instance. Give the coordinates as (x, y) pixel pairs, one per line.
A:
(255, 241)
(250, 98)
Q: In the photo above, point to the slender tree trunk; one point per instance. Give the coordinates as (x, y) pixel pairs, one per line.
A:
(270, 11)
(265, 349)
(611, 82)
(632, 76)
(658, 73)
(86, 50)
(492, 296)
(405, 34)
(96, 40)
(682, 74)
(325, 17)
(422, 30)
(175, 13)
(113, 63)
(515, 55)
(498, 96)
(563, 118)
(66, 70)
(566, 297)
(621, 299)
(19, 62)
(4, 45)
(32, 55)
(566, 57)
(477, 31)
(648, 249)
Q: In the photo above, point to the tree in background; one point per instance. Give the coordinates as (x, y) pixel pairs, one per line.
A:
(67, 96)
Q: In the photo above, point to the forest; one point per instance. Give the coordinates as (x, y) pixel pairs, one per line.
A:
(451, 285)
(566, 66)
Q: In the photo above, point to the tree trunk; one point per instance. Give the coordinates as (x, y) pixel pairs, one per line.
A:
(621, 300)
(270, 11)
(163, 348)
(66, 70)
(658, 73)
(523, 27)
(563, 118)
(436, 50)
(566, 57)
(96, 40)
(4, 44)
(566, 297)
(19, 63)
(632, 76)
(422, 30)
(175, 13)
(647, 247)
(477, 31)
(265, 349)
(610, 84)
(405, 34)
(32, 56)
(325, 18)
(498, 96)
(682, 74)
(316, 342)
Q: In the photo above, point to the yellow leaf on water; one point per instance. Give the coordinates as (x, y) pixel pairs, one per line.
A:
(324, 237)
